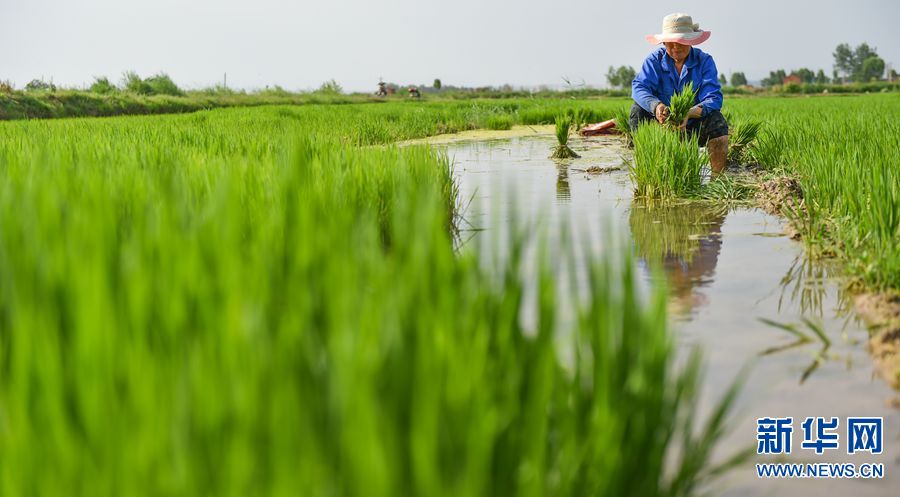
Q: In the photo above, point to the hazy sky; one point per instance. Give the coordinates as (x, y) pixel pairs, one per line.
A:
(299, 44)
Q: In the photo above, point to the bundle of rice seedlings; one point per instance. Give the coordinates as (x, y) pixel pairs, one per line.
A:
(562, 151)
(741, 140)
(680, 105)
(665, 164)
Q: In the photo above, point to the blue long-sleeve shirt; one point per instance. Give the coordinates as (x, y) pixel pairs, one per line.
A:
(657, 80)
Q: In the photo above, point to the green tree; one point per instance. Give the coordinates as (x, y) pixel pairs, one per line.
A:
(806, 75)
(627, 74)
(621, 77)
(866, 64)
(612, 77)
(775, 78)
(722, 80)
(436, 84)
(861, 64)
(843, 60)
(821, 78)
(863, 52)
(871, 69)
(738, 79)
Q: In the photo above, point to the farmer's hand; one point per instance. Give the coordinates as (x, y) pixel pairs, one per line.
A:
(662, 113)
(695, 113)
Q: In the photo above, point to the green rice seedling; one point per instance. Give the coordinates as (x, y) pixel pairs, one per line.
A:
(245, 301)
(532, 116)
(771, 148)
(623, 123)
(680, 105)
(728, 188)
(499, 122)
(580, 118)
(848, 178)
(562, 150)
(205, 303)
(844, 152)
(665, 164)
(741, 139)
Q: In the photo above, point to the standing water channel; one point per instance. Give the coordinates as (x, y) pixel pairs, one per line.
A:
(728, 269)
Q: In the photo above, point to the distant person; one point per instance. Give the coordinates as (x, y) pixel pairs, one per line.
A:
(667, 69)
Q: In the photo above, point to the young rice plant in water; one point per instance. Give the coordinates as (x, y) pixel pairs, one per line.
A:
(666, 164)
(562, 150)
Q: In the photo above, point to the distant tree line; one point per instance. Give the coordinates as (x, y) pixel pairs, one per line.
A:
(158, 84)
(851, 65)
(802, 75)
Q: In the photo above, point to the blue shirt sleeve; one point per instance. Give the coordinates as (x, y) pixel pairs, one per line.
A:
(709, 95)
(645, 86)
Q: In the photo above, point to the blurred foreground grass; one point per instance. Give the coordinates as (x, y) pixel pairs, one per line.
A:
(243, 302)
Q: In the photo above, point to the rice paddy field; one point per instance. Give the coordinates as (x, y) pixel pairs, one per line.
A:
(281, 299)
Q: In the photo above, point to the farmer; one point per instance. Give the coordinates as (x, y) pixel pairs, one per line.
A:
(667, 69)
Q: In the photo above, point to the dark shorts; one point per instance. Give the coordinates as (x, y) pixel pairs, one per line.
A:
(713, 125)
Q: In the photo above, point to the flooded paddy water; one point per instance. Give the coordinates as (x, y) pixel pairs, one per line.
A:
(729, 268)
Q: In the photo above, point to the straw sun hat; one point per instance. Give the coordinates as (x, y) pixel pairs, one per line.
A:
(679, 28)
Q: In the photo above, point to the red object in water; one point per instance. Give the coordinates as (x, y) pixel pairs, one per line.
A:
(604, 128)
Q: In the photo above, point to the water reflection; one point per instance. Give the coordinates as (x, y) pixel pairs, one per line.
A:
(747, 272)
(814, 333)
(806, 283)
(563, 194)
(805, 287)
(685, 241)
